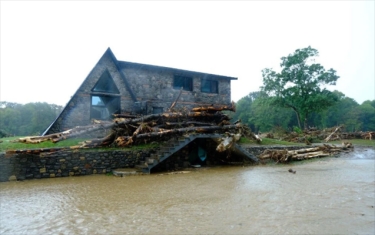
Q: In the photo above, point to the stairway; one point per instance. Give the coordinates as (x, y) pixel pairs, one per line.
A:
(175, 145)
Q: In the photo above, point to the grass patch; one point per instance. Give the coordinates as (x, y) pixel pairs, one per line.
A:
(267, 141)
(7, 144)
(358, 142)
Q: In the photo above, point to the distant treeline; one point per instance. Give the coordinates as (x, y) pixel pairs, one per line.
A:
(26, 119)
(255, 111)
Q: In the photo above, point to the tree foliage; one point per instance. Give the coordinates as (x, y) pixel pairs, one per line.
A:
(29, 119)
(256, 111)
(300, 84)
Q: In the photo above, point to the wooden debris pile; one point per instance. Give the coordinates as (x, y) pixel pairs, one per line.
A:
(126, 130)
(324, 150)
(326, 135)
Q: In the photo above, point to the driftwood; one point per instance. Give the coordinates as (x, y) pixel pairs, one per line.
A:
(125, 130)
(213, 108)
(307, 153)
(368, 135)
(228, 142)
(330, 136)
(175, 102)
(124, 141)
(123, 122)
(123, 115)
(312, 134)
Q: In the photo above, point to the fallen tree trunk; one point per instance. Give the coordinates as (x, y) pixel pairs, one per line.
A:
(319, 151)
(213, 108)
(330, 136)
(175, 102)
(182, 124)
(127, 140)
(228, 142)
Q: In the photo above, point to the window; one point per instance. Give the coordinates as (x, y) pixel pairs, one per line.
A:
(209, 86)
(106, 84)
(156, 110)
(185, 82)
(102, 107)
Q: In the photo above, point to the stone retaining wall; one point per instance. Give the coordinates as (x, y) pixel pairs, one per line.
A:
(67, 163)
(77, 163)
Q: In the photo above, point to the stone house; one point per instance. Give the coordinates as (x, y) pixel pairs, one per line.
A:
(124, 87)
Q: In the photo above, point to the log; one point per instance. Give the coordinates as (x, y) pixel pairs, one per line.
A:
(126, 140)
(141, 129)
(99, 142)
(39, 139)
(99, 125)
(228, 142)
(175, 101)
(184, 124)
(213, 108)
(77, 131)
(307, 153)
(330, 136)
(124, 115)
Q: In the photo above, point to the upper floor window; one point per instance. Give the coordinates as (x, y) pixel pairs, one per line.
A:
(209, 86)
(181, 81)
(106, 84)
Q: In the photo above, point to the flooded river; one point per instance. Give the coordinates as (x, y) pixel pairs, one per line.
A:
(324, 196)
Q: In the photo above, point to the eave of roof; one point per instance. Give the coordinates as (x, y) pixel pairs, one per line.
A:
(126, 64)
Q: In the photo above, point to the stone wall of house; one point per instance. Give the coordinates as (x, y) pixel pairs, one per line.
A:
(156, 88)
(77, 111)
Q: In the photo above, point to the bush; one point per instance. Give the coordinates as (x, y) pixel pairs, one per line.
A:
(3, 134)
(297, 130)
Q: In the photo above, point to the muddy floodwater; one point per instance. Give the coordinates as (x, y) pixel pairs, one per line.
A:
(324, 196)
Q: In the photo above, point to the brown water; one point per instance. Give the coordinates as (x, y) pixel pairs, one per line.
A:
(325, 196)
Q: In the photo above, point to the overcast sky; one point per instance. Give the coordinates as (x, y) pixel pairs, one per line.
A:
(48, 48)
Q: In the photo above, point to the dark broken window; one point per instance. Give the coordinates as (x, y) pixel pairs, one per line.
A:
(181, 81)
(209, 86)
(102, 107)
(106, 84)
(156, 110)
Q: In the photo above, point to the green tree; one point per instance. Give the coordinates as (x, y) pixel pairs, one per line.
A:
(367, 116)
(255, 111)
(28, 119)
(244, 109)
(298, 85)
(344, 111)
(265, 117)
